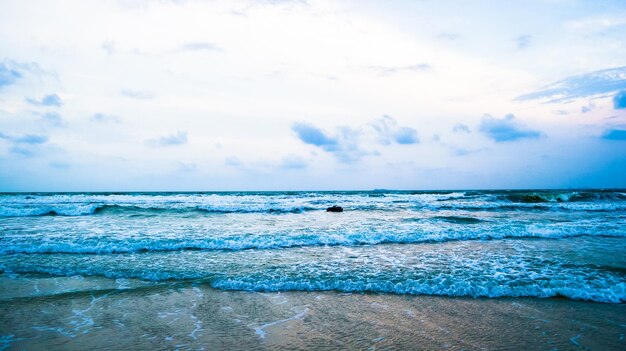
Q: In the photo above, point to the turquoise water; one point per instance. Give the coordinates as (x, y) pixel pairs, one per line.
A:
(456, 243)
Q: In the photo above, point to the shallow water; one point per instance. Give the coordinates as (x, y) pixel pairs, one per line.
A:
(191, 316)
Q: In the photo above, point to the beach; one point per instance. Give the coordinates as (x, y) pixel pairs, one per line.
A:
(101, 314)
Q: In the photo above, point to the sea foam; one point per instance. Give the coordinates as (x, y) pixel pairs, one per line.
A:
(474, 269)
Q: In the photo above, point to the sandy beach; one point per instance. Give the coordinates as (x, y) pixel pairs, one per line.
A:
(127, 314)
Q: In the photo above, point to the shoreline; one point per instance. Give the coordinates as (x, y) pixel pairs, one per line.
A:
(196, 316)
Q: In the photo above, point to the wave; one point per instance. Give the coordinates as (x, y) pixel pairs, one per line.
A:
(575, 196)
(51, 210)
(106, 246)
(529, 206)
(71, 210)
(394, 206)
(198, 209)
(458, 219)
(509, 280)
(607, 292)
(448, 219)
(14, 205)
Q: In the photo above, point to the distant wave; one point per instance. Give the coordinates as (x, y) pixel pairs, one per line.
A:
(575, 196)
(458, 219)
(79, 209)
(529, 206)
(103, 246)
(93, 209)
(47, 210)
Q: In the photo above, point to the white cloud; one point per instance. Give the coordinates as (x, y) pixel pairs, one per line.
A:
(179, 138)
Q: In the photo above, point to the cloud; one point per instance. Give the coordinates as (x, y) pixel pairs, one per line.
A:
(389, 70)
(22, 151)
(59, 165)
(619, 100)
(25, 145)
(461, 151)
(48, 100)
(345, 143)
(461, 128)
(11, 71)
(31, 139)
(560, 112)
(614, 134)
(523, 41)
(187, 167)
(588, 108)
(232, 162)
(584, 85)
(406, 136)
(137, 94)
(598, 23)
(448, 36)
(26, 139)
(199, 46)
(8, 75)
(108, 46)
(293, 162)
(179, 138)
(53, 118)
(103, 118)
(312, 135)
(387, 131)
(505, 129)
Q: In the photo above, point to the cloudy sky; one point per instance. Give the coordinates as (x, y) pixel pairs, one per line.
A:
(285, 95)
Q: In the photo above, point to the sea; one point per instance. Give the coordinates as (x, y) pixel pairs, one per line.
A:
(478, 244)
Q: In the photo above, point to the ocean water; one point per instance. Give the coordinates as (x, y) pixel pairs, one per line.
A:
(486, 244)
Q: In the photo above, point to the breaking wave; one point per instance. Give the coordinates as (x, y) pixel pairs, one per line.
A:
(93, 209)
(451, 271)
(20, 205)
(104, 246)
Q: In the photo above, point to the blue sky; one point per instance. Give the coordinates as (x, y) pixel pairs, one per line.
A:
(270, 95)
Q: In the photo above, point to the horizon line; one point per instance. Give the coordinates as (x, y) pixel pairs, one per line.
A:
(305, 190)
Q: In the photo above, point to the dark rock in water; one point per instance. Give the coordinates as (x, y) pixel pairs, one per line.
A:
(335, 209)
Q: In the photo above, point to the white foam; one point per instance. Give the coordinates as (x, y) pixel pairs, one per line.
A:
(401, 235)
(260, 330)
(606, 291)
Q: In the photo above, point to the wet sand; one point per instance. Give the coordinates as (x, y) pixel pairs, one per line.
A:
(99, 314)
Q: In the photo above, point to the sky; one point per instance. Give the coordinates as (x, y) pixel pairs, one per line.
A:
(134, 95)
